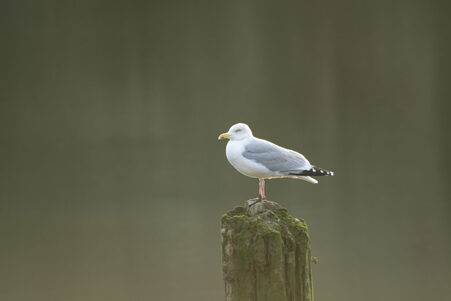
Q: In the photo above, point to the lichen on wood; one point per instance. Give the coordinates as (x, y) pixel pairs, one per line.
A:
(265, 254)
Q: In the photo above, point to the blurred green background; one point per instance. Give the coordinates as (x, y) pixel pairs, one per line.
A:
(112, 178)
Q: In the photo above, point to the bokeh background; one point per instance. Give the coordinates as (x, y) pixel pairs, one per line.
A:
(112, 178)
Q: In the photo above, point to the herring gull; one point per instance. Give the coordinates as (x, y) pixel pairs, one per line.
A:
(258, 158)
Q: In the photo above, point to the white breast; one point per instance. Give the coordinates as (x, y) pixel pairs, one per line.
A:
(245, 166)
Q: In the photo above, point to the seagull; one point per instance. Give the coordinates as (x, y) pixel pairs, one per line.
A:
(261, 159)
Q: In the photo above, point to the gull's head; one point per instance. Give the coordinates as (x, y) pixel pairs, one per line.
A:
(238, 131)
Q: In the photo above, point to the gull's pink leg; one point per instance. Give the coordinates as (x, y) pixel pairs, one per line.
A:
(261, 190)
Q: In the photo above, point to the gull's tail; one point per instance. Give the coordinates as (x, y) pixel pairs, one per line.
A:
(307, 179)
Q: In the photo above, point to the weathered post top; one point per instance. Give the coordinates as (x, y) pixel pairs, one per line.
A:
(265, 254)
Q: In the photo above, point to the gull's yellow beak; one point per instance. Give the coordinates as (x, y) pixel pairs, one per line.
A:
(223, 136)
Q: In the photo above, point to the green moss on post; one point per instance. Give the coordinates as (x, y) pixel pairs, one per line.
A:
(265, 254)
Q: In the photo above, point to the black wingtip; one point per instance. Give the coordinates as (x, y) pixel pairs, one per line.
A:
(315, 171)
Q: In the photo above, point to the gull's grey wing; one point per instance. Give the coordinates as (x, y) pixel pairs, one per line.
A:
(274, 157)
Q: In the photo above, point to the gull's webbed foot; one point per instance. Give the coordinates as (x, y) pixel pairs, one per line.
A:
(253, 201)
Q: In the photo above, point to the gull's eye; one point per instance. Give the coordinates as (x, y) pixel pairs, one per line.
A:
(238, 130)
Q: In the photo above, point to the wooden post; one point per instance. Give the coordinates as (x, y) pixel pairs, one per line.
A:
(265, 254)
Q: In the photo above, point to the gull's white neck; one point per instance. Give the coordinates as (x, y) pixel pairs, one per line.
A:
(235, 148)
